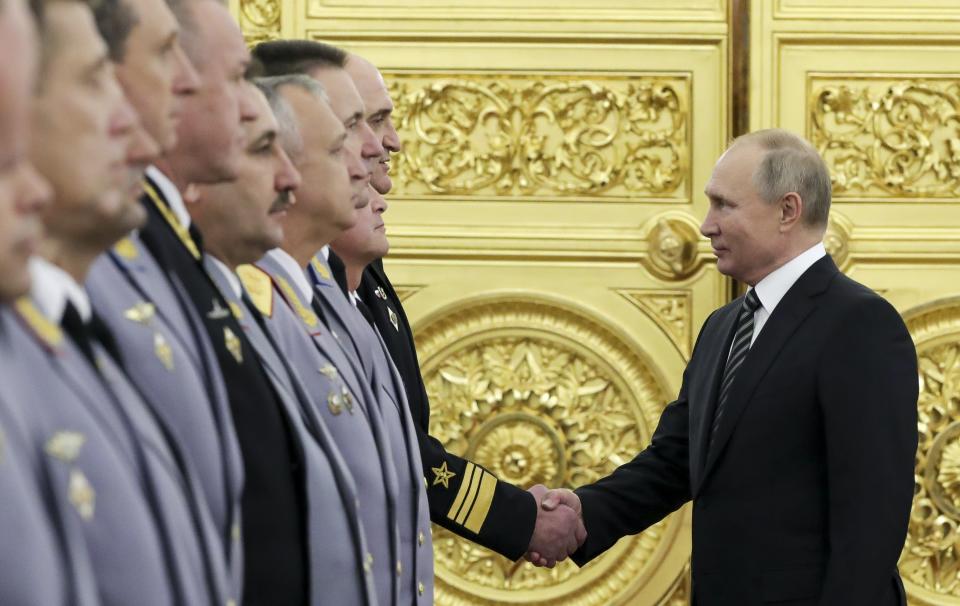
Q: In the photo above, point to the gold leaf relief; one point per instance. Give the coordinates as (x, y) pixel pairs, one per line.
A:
(671, 310)
(930, 562)
(260, 20)
(539, 394)
(560, 136)
(887, 136)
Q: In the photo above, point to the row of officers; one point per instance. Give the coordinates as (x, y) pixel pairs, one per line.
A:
(209, 392)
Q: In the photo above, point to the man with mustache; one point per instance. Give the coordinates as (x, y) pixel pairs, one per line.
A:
(241, 220)
(165, 350)
(309, 229)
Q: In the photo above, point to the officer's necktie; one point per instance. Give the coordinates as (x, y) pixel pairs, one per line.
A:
(78, 331)
(742, 338)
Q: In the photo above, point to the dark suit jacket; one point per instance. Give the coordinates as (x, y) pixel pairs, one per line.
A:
(804, 496)
(513, 512)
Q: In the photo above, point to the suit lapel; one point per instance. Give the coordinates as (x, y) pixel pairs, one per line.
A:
(714, 359)
(788, 316)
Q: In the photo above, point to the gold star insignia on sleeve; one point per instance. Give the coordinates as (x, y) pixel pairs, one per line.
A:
(442, 475)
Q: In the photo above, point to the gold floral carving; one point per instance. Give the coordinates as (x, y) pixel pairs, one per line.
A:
(539, 393)
(670, 310)
(404, 292)
(837, 239)
(679, 594)
(888, 136)
(930, 563)
(260, 20)
(673, 239)
(496, 135)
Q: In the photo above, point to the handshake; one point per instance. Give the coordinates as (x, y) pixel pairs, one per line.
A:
(559, 529)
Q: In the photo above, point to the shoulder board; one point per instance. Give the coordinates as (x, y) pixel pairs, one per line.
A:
(258, 285)
(320, 268)
(126, 249)
(39, 325)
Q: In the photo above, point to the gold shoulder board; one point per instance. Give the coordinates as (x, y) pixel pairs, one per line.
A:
(44, 329)
(258, 285)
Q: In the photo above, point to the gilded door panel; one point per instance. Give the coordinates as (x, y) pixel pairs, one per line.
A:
(544, 239)
(874, 85)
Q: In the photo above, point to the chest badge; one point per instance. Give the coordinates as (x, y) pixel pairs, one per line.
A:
(380, 293)
(233, 344)
(393, 319)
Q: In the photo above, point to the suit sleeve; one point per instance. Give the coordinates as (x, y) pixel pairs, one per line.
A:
(473, 503)
(868, 391)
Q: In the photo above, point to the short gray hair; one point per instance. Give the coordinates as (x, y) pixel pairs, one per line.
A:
(288, 127)
(791, 164)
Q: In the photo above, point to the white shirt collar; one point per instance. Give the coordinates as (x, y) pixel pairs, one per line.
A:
(775, 285)
(52, 288)
(299, 274)
(325, 251)
(232, 279)
(354, 297)
(171, 194)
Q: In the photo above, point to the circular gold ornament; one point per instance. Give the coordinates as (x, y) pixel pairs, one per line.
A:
(537, 392)
(930, 563)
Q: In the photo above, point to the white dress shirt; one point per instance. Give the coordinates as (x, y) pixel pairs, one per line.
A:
(232, 278)
(299, 274)
(171, 194)
(775, 285)
(52, 288)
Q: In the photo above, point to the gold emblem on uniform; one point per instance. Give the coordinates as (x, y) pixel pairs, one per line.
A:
(320, 268)
(306, 315)
(233, 344)
(141, 313)
(393, 319)
(442, 475)
(236, 310)
(217, 312)
(380, 293)
(126, 249)
(335, 402)
(162, 350)
(329, 372)
(81, 493)
(347, 398)
(368, 562)
(65, 445)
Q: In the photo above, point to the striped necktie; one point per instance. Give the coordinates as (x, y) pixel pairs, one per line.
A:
(742, 338)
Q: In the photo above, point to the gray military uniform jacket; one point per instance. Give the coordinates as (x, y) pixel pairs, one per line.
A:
(344, 402)
(168, 356)
(43, 558)
(340, 567)
(114, 468)
(364, 345)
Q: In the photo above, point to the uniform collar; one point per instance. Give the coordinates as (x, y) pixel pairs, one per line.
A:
(230, 276)
(354, 297)
(297, 274)
(171, 194)
(52, 289)
(775, 285)
(325, 251)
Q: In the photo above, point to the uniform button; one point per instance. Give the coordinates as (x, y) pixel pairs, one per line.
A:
(425, 485)
(420, 538)
(399, 568)
(368, 562)
(421, 588)
(231, 602)
(235, 531)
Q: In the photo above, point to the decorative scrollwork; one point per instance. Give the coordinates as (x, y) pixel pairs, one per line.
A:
(888, 137)
(538, 393)
(930, 563)
(672, 240)
(558, 136)
(671, 310)
(837, 239)
(260, 20)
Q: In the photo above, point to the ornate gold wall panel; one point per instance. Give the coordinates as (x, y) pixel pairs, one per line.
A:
(874, 85)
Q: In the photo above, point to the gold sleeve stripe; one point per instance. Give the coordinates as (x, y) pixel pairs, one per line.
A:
(482, 505)
(462, 493)
(471, 495)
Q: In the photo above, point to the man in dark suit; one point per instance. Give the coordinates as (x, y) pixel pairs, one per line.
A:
(794, 433)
